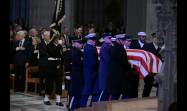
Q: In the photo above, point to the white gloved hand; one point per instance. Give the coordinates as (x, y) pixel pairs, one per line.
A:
(35, 51)
(68, 77)
(17, 48)
(22, 48)
(60, 42)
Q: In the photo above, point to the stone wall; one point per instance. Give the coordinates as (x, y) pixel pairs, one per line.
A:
(166, 13)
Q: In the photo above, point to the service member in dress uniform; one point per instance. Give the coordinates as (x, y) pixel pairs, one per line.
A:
(103, 66)
(54, 69)
(138, 44)
(134, 76)
(76, 74)
(90, 71)
(43, 59)
(118, 71)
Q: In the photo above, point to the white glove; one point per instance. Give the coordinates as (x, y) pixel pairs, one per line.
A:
(18, 48)
(60, 42)
(22, 48)
(68, 77)
(35, 51)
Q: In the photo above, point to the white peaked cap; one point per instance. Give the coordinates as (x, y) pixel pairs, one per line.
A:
(141, 34)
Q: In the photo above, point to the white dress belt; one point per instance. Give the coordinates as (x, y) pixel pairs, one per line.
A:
(51, 58)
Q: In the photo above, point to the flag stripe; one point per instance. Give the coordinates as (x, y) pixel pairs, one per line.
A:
(144, 62)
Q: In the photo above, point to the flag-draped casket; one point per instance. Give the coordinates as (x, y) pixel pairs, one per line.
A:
(144, 62)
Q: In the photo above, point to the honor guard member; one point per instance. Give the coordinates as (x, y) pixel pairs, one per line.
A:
(90, 71)
(76, 74)
(118, 70)
(43, 59)
(127, 42)
(103, 66)
(134, 76)
(54, 69)
(138, 44)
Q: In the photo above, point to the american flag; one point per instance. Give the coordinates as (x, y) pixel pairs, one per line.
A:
(144, 62)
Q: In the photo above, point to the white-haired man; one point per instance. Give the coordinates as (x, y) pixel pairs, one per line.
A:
(22, 55)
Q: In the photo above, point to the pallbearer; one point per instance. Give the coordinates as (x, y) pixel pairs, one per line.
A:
(103, 66)
(76, 74)
(90, 71)
(118, 70)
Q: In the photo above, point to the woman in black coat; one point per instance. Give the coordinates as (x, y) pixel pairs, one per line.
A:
(34, 52)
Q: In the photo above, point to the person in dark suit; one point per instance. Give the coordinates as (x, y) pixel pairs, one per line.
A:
(76, 74)
(149, 79)
(118, 71)
(22, 50)
(43, 60)
(32, 33)
(90, 71)
(103, 66)
(54, 70)
(66, 36)
(34, 52)
(138, 44)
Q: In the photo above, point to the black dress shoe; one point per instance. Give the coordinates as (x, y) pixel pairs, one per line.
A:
(47, 102)
(59, 104)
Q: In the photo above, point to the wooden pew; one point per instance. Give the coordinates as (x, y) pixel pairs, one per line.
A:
(12, 76)
(29, 79)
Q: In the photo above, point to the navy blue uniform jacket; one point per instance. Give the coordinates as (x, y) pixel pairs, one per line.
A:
(103, 66)
(76, 72)
(90, 69)
(118, 70)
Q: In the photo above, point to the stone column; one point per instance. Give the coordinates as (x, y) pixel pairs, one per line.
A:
(151, 19)
(136, 16)
(166, 13)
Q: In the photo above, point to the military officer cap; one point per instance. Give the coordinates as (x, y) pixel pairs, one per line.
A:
(141, 34)
(127, 37)
(91, 36)
(106, 35)
(120, 36)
